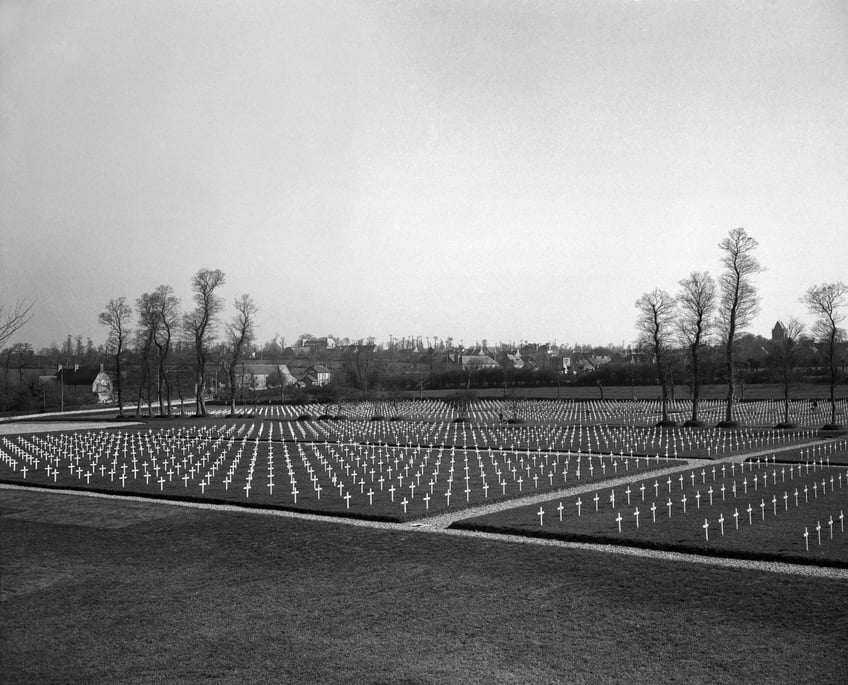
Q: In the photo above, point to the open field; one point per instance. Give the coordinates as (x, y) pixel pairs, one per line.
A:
(761, 409)
(102, 591)
(156, 591)
(757, 510)
(382, 470)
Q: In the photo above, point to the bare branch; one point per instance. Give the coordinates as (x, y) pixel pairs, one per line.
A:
(13, 318)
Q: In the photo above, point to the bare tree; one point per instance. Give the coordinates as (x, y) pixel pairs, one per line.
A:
(116, 317)
(200, 324)
(655, 326)
(148, 321)
(695, 322)
(166, 309)
(826, 302)
(240, 334)
(784, 350)
(738, 300)
(13, 318)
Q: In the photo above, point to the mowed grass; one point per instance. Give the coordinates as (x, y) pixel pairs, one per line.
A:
(761, 510)
(225, 464)
(175, 595)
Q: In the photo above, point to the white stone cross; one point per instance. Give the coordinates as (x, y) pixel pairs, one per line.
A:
(404, 502)
(618, 520)
(654, 511)
(736, 518)
(541, 515)
(627, 492)
(636, 514)
(683, 500)
(559, 509)
(710, 493)
(612, 498)
(721, 523)
(596, 499)
(750, 509)
(818, 530)
(668, 504)
(579, 504)
(706, 528)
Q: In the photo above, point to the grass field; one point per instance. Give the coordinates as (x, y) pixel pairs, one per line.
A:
(359, 468)
(108, 590)
(100, 592)
(760, 512)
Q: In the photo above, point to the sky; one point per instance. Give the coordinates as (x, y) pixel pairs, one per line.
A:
(477, 170)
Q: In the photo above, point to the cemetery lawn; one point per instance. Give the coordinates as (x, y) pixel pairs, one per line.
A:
(116, 591)
(757, 511)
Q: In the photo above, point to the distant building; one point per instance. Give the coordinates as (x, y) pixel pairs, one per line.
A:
(102, 387)
(477, 362)
(778, 333)
(315, 376)
(261, 375)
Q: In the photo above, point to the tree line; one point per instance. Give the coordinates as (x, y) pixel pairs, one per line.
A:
(160, 323)
(706, 310)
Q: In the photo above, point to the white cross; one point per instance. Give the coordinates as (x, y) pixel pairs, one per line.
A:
(541, 515)
(706, 528)
(636, 514)
(721, 523)
(618, 520)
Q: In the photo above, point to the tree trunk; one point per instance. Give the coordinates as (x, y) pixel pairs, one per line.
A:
(833, 377)
(118, 383)
(696, 384)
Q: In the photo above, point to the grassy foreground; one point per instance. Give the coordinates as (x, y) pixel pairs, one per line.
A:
(103, 591)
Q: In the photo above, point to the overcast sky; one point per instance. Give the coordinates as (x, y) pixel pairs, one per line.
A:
(499, 170)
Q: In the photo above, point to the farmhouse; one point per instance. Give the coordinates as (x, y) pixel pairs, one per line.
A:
(315, 376)
(259, 375)
(477, 362)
